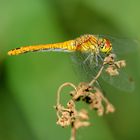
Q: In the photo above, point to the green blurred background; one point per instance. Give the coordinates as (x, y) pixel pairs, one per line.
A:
(28, 83)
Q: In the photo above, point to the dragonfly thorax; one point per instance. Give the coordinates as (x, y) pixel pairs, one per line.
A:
(87, 43)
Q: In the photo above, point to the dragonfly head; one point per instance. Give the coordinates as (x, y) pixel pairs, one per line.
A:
(105, 45)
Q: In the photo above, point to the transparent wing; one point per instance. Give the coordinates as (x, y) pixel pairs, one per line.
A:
(123, 81)
(88, 71)
(123, 45)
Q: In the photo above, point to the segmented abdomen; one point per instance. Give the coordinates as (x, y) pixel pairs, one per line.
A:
(65, 46)
(85, 43)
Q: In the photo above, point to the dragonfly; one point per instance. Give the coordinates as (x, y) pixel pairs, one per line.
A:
(89, 51)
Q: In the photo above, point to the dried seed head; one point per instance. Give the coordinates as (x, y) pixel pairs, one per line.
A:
(109, 59)
(81, 119)
(64, 120)
(112, 55)
(97, 103)
(71, 105)
(110, 108)
(79, 124)
(120, 64)
(100, 111)
(83, 114)
(112, 71)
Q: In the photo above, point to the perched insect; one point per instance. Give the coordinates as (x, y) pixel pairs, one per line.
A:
(86, 43)
(90, 50)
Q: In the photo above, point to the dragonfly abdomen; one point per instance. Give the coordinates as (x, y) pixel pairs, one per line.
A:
(85, 43)
(68, 46)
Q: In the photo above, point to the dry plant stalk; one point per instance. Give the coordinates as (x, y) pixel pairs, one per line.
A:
(90, 94)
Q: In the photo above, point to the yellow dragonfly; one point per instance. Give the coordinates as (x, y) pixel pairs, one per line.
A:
(85, 43)
(90, 50)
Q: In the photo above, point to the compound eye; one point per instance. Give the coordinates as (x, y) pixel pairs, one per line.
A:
(102, 47)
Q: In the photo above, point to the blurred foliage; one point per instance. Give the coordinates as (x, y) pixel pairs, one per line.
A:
(28, 83)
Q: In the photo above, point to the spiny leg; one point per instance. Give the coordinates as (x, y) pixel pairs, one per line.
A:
(93, 59)
(100, 57)
(96, 60)
(88, 58)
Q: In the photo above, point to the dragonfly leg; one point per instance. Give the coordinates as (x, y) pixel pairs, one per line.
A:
(88, 58)
(93, 59)
(100, 57)
(96, 60)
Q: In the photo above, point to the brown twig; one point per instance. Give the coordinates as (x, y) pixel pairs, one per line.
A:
(88, 93)
(73, 133)
(97, 76)
(60, 89)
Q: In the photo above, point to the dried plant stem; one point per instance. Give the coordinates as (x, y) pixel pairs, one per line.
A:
(102, 96)
(60, 89)
(58, 95)
(73, 133)
(69, 116)
(97, 76)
